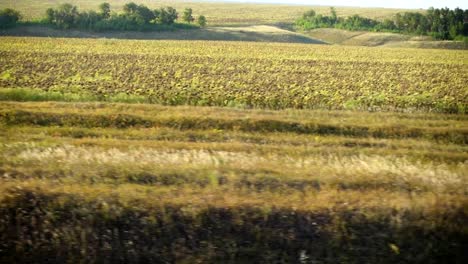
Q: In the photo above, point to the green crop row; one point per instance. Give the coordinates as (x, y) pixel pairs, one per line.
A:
(122, 120)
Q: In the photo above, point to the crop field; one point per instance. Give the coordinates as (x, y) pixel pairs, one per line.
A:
(259, 75)
(217, 13)
(126, 151)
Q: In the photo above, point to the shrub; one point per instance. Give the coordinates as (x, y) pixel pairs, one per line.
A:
(187, 16)
(201, 21)
(9, 17)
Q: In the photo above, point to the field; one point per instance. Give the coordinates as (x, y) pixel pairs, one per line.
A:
(137, 151)
(218, 14)
(259, 75)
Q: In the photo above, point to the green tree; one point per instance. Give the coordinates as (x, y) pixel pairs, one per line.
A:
(9, 17)
(50, 15)
(105, 10)
(66, 15)
(88, 20)
(167, 15)
(201, 21)
(130, 8)
(388, 24)
(187, 16)
(144, 13)
(334, 16)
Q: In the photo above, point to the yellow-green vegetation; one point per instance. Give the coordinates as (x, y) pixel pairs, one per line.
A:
(259, 75)
(100, 181)
(118, 151)
(216, 13)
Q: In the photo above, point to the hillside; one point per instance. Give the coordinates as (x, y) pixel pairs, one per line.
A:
(235, 22)
(373, 39)
(248, 33)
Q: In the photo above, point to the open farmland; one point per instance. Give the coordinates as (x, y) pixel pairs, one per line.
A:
(205, 73)
(120, 151)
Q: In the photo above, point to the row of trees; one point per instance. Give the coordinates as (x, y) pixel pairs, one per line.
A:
(9, 18)
(440, 23)
(133, 17)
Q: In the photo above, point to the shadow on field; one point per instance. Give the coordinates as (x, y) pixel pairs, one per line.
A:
(250, 33)
(61, 228)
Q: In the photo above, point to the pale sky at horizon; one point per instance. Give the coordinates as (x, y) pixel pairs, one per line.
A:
(414, 4)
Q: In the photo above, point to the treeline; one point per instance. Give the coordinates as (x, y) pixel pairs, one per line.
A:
(442, 23)
(133, 17)
(9, 18)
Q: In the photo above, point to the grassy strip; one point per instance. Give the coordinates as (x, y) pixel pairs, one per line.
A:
(121, 120)
(280, 170)
(258, 179)
(38, 95)
(19, 138)
(140, 136)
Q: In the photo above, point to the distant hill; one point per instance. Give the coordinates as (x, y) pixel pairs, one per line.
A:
(373, 39)
(234, 22)
(248, 33)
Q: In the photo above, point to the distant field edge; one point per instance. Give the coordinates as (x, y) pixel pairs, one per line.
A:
(255, 33)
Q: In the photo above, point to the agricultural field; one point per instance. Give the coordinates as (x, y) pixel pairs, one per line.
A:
(249, 75)
(132, 151)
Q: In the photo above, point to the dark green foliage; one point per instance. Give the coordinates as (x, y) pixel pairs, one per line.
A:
(167, 15)
(105, 10)
(201, 21)
(134, 17)
(145, 13)
(9, 17)
(357, 22)
(130, 8)
(440, 23)
(65, 16)
(50, 15)
(187, 16)
(87, 20)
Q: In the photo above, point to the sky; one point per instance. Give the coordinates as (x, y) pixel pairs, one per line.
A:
(413, 4)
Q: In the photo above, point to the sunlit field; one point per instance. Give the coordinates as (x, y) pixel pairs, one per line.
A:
(119, 151)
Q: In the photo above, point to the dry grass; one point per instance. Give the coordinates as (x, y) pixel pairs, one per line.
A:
(197, 188)
(204, 189)
(374, 39)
